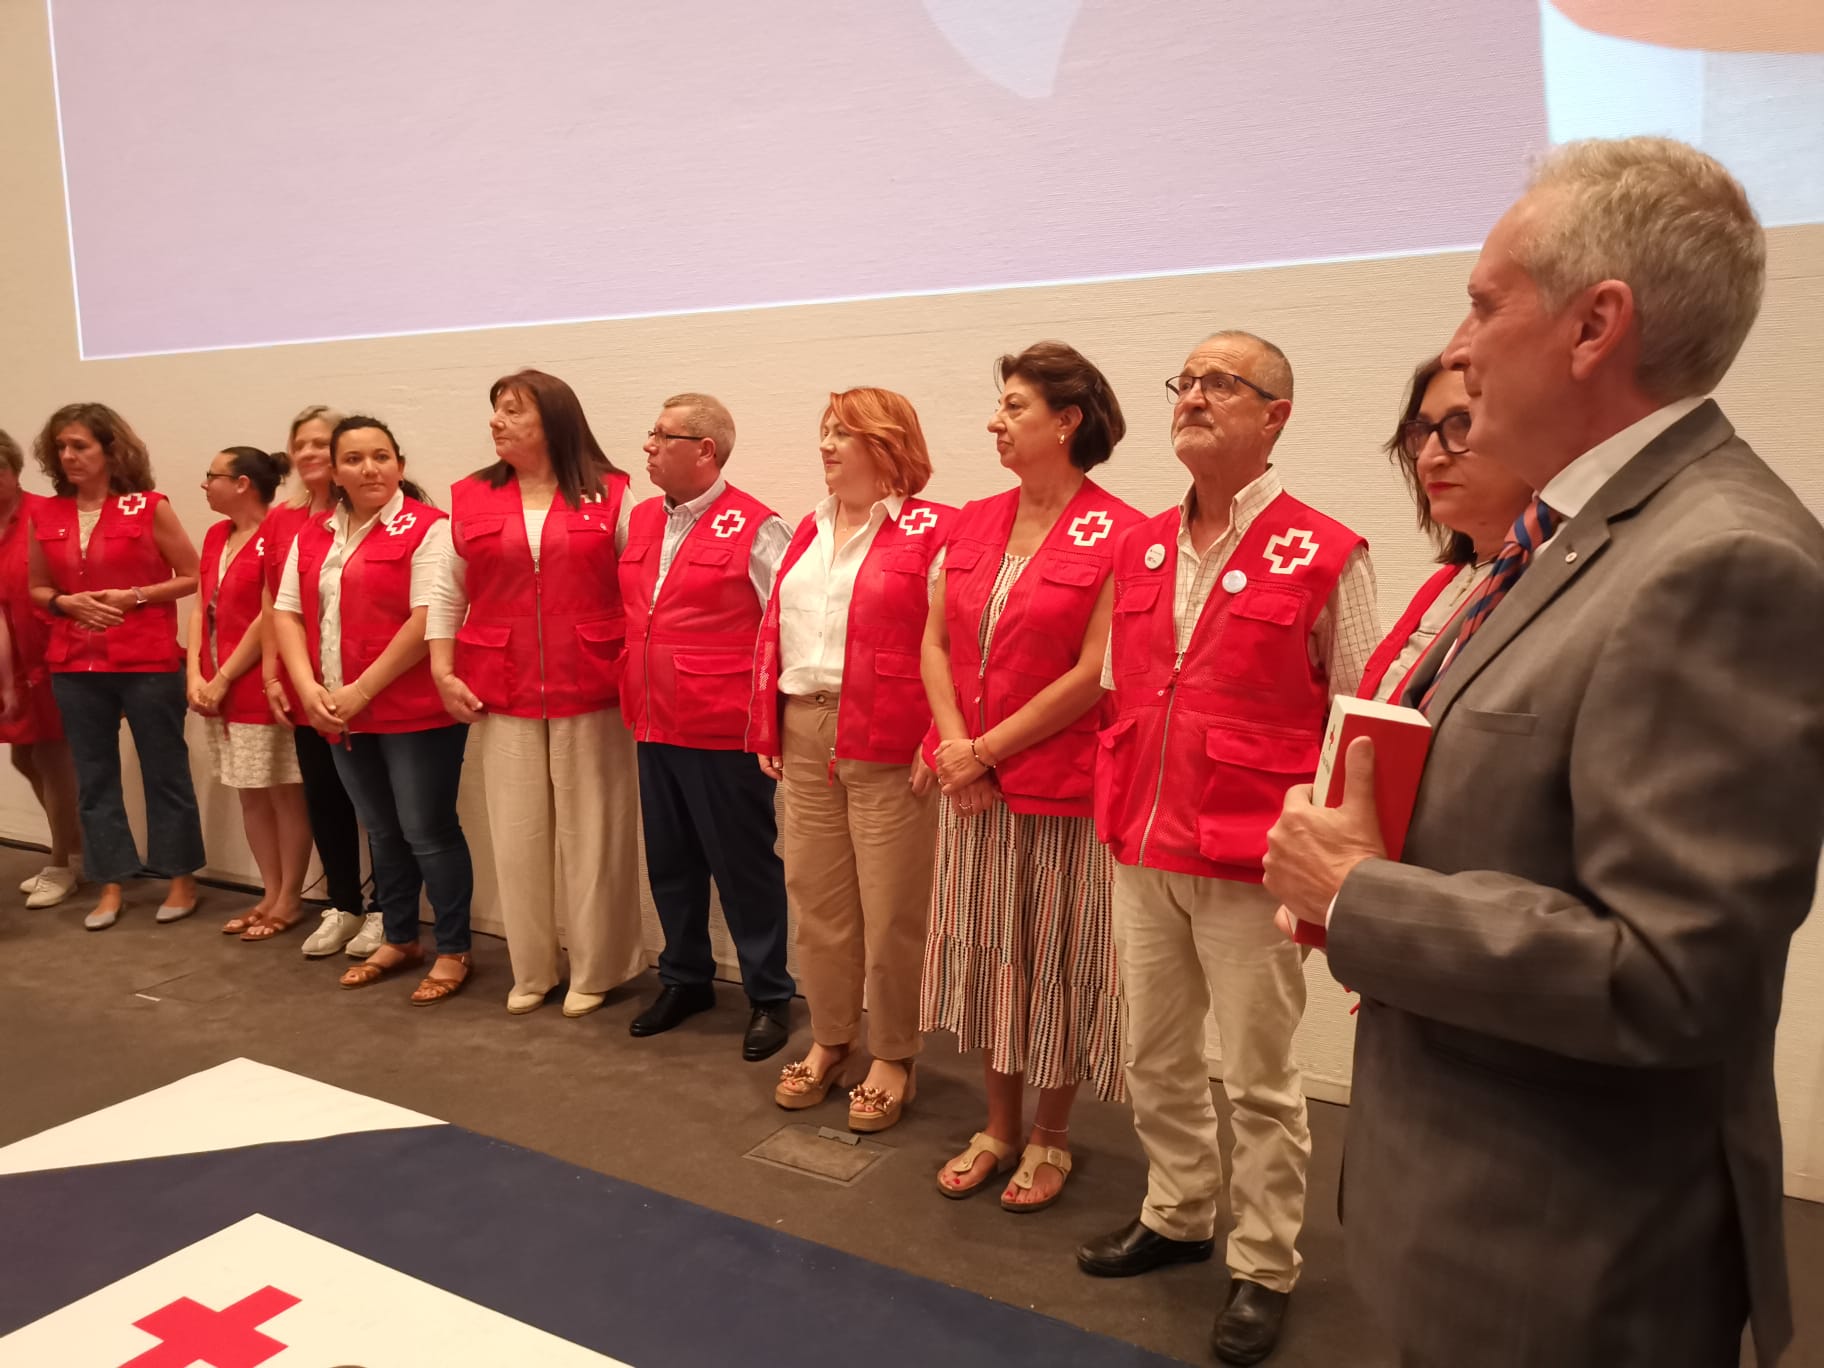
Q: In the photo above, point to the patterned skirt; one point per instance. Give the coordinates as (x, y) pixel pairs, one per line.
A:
(1020, 955)
(252, 755)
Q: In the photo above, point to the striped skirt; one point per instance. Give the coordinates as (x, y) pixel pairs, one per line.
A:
(1020, 955)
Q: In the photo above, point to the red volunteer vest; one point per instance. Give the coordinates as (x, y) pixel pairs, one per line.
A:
(277, 533)
(232, 603)
(376, 600)
(28, 628)
(1203, 748)
(690, 655)
(1039, 635)
(1389, 650)
(544, 638)
(122, 554)
(881, 712)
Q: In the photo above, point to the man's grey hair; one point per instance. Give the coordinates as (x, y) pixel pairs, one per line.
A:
(708, 417)
(1672, 224)
(1275, 372)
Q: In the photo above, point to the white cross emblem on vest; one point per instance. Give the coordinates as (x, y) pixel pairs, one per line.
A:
(131, 503)
(1091, 527)
(259, 548)
(918, 522)
(405, 522)
(1285, 541)
(728, 522)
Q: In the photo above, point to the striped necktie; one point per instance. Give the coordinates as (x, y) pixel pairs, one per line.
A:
(1532, 528)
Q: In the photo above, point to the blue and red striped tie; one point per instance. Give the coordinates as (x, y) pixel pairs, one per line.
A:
(1532, 529)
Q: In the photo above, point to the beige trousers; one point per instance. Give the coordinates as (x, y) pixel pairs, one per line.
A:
(563, 799)
(1185, 945)
(859, 848)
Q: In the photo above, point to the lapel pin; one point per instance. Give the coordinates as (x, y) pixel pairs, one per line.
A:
(1155, 556)
(1234, 582)
(1569, 556)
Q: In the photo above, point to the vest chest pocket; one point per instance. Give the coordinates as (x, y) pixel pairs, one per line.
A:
(478, 537)
(709, 556)
(962, 556)
(1260, 642)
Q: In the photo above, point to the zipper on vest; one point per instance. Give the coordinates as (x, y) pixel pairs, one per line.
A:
(1165, 739)
(538, 622)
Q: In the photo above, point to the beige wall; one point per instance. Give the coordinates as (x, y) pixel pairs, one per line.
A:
(1352, 330)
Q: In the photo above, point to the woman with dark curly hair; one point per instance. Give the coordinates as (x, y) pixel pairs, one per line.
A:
(109, 561)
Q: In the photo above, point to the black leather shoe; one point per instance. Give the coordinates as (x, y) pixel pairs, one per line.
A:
(767, 1030)
(674, 1003)
(1248, 1327)
(1135, 1249)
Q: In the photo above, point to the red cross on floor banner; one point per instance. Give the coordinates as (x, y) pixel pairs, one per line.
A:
(229, 1338)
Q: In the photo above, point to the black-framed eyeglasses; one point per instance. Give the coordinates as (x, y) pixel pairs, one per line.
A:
(1216, 385)
(1452, 430)
(654, 434)
(219, 475)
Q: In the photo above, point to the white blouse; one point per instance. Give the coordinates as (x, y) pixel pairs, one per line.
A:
(329, 580)
(814, 599)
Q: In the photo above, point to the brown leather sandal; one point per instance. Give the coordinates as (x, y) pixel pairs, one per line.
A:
(265, 928)
(434, 989)
(368, 972)
(246, 921)
(877, 1109)
(799, 1088)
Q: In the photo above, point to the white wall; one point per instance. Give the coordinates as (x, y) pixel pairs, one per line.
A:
(1352, 330)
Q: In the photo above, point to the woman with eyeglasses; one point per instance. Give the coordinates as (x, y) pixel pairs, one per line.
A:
(527, 638)
(1020, 955)
(109, 561)
(253, 754)
(350, 617)
(29, 722)
(1466, 504)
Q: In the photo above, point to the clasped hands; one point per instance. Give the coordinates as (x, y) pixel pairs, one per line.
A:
(1312, 849)
(963, 778)
(98, 609)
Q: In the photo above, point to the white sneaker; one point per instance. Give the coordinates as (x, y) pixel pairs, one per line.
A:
(335, 931)
(52, 886)
(369, 939)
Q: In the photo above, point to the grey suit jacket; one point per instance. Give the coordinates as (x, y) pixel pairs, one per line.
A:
(1563, 1146)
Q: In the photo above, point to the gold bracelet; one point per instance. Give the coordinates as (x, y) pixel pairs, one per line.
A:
(366, 697)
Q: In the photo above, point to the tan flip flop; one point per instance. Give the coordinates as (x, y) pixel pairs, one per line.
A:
(1030, 1160)
(979, 1144)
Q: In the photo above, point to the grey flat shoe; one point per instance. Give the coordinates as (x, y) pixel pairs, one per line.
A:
(168, 913)
(98, 920)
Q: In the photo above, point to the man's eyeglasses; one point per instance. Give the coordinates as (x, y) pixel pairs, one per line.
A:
(1216, 385)
(657, 435)
(1452, 430)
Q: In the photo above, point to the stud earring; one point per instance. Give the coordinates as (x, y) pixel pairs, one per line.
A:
(1061, 439)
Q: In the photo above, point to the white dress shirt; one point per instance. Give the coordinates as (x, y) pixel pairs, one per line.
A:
(329, 579)
(1347, 628)
(769, 545)
(814, 599)
(450, 596)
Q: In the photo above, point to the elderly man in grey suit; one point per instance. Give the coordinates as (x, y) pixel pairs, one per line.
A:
(1563, 1149)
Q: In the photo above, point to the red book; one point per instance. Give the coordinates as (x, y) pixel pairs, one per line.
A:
(1401, 737)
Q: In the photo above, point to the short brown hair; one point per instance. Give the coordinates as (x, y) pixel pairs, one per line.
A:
(129, 463)
(711, 418)
(1067, 379)
(10, 453)
(887, 424)
(1454, 548)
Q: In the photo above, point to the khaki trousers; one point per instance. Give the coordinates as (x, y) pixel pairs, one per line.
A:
(1187, 944)
(563, 799)
(859, 848)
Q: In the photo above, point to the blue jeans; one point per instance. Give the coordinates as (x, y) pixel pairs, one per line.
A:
(403, 786)
(92, 704)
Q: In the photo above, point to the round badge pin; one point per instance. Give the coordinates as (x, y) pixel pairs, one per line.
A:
(1234, 582)
(1155, 556)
